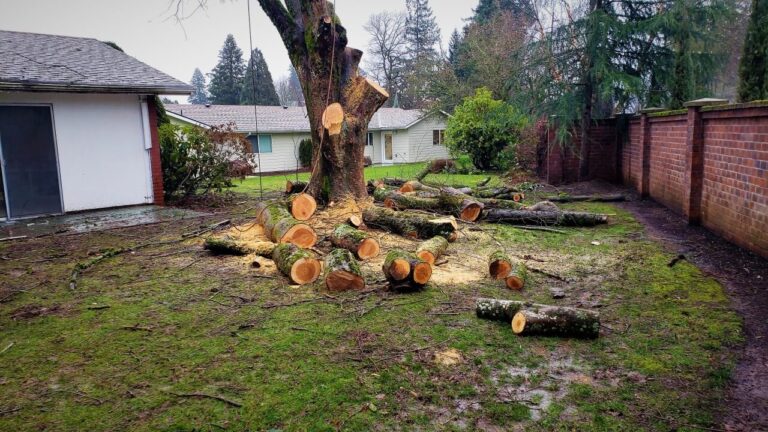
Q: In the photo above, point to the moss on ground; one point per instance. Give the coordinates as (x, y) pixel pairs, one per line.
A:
(182, 322)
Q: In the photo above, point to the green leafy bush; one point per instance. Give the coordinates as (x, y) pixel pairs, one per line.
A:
(305, 152)
(197, 160)
(487, 130)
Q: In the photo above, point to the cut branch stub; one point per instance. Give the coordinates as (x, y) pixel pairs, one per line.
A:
(358, 242)
(432, 249)
(342, 271)
(355, 221)
(302, 206)
(333, 118)
(499, 265)
(540, 320)
(281, 227)
(298, 264)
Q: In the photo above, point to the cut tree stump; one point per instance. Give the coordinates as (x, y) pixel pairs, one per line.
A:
(411, 225)
(517, 277)
(358, 242)
(342, 271)
(302, 206)
(294, 187)
(281, 227)
(298, 264)
(499, 265)
(405, 271)
(432, 249)
(587, 198)
(463, 208)
(527, 217)
(541, 320)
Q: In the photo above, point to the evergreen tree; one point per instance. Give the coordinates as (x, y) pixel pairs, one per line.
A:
(258, 72)
(753, 70)
(683, 81)
(199, 94)
(422, 36)
(487, 9)
(454, 48)
(227, 76)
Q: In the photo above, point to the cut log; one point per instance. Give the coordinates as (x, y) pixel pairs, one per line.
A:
(414, 185)
(458, 186)
(294, 187)
(281, 227)
(544, 206)
(405, 271)
(432, 249)
(494, 192)
(517, 277)
(302, 206)
(497, 310)
(541, 320)
(342, 272)
(226, 246)
(424, 172)
(333, 118)
(587, 198)
(501, 203)
(358, 242)
(527, 217)
(483, 182)
(355, 221)
(499, 265)
(381, 194)
(392, 181)
(298, 264)
(463, 208)
(411, 224)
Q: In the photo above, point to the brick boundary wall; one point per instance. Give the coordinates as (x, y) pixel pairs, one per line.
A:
(708, 163)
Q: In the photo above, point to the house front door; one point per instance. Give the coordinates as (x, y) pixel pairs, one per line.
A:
(388, 147)
(29, 164)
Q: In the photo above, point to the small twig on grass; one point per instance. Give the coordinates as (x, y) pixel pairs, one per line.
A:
(208, 396)
(99, 307)
(7, 347)
(546, 273)
(12, 238)
(207, 229)
(9, 411)
(539, 228)
(11, 295)
(137, 328)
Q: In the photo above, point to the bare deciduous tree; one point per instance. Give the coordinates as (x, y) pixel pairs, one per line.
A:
(387, 48)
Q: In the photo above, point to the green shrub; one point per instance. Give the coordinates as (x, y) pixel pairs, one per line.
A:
(196, 160)
(305, 152)
(485, 129)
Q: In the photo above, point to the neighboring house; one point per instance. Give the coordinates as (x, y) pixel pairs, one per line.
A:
(78, 126)
(394, 135)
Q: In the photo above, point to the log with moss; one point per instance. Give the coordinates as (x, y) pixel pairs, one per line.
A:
(527, 217)
(342, 272)
(294, 187)
(432, 249)
(358, 242)
(228, 246)
(409, 224)
(302, 206)
(281, 227)
(456, 205)
(415, 185)
(300, 265)
(381, 194)
(483, 182)
(542, 320)
(405, 271)
(517, 277)
(587, 198)
(494, 192)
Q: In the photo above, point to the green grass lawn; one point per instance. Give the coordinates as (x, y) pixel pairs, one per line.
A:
(272, 183)
(143, 332)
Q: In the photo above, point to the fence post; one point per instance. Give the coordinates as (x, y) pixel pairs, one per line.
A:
(694, 159)
(645, 153)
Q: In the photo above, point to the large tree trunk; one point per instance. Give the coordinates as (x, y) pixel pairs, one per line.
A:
(328, 71)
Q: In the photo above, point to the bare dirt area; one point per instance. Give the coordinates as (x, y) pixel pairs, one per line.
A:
(745, 277)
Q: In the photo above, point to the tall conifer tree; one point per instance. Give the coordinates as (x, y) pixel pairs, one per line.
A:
(199, 94)
(753, 70)
(227, 76)
(258, 72)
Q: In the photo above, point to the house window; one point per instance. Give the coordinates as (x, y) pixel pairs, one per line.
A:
(370, 139)
(438, 137)
(261, 145)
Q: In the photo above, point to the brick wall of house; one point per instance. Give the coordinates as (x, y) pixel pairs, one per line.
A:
(156, 163)
(667, 144)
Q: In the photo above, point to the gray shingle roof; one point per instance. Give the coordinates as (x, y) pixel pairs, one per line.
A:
(31, 61)
(276, 119)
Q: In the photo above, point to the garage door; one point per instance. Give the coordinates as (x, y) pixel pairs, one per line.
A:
(29, 165)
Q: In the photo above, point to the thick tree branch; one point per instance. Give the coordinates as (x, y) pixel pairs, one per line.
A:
(283, 21)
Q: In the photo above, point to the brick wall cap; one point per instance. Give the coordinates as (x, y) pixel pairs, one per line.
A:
(705, 102)
(651, 110)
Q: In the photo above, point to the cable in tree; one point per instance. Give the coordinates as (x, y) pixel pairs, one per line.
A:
(255, 107)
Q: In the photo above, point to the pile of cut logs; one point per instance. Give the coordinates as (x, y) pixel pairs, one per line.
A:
(291, 243)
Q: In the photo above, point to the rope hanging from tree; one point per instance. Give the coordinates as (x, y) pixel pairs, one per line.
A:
(252, 64)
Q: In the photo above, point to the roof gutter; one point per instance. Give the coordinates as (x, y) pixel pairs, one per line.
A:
(78, 88)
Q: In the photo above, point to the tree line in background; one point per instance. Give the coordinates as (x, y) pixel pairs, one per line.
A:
(233, 82)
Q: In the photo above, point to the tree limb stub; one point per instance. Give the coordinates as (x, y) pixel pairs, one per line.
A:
(333, 119)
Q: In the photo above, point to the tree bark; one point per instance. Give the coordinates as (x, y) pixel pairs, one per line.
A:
(526, 217)
(342, 271)
(411, 224)
(541, 320)
(281, 227)
(432, 249)
(517, 277)
(294, 187)
(328, 70)
(298, 264)
(226, 246)
(456, 205)
(405, 271)
(356, 241)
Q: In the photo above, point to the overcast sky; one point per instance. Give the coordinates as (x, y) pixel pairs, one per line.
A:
(143, 30)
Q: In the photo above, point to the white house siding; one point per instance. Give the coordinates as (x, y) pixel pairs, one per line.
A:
(400, 146)
(374, 151)
(100, 140)
(285, 153)
(420, 139)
